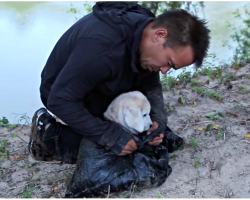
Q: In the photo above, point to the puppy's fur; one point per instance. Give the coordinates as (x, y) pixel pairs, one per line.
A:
(131, 110)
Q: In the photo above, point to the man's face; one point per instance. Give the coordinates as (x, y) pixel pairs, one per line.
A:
(155, 57)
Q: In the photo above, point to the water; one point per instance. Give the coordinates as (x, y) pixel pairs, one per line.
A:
(29, 31)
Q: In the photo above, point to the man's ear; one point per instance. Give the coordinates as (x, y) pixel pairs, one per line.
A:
(160, 35)
(133, 119)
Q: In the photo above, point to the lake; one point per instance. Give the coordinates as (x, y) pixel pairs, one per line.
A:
(29, 31)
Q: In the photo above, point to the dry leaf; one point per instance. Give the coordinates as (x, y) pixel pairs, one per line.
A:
(17, 157)
(194, 104)
(216, 127)
(201, 129)
(247, 135)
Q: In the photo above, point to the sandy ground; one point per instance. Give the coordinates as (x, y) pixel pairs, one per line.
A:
(214, 163)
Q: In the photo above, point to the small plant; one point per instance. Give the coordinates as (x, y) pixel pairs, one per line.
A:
(208, 128)
(196, 164)
(167, 82)
(181, 100)
(213, 117)
(221, 114)
(214, 95)
(4, 153)
(199, 90)
(14, 136)
(218, 97)
(160, 196)
(23, 118)
(230, 76)
(195, 82)
(3, 145)
(209, 94)
(4, 121)
(219, 135)
(242, 87)
(184, 77)
(240, 106)
(30, 165)
(237, 65)
(194, 143)
(26, 193)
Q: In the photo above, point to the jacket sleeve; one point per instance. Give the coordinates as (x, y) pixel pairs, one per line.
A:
(89, 64)
(152, 89)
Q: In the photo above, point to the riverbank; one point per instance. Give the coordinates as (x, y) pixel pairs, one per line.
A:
(211, 111)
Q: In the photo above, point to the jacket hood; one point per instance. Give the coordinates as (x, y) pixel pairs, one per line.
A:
(121, 13)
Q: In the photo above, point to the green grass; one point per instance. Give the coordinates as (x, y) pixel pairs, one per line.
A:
(214, 95)
(160, 196)
(167, 82)
(194, 143)
(242, 87)
(199, 90)
(3, 152)
(196, 164)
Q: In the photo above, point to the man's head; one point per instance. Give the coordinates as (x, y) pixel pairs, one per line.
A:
(175, 39)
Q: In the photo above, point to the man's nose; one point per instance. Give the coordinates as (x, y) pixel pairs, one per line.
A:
(165, 69)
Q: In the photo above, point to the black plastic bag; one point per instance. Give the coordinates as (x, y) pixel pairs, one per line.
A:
(99, 171)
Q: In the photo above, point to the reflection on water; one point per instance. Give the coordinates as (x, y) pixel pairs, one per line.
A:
(29, 31)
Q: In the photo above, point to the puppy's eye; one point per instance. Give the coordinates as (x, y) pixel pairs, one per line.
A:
(144, 115)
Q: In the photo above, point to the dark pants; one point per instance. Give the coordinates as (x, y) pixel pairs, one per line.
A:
(61, 142)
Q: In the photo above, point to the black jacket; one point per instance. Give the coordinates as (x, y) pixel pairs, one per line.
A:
(92, 63)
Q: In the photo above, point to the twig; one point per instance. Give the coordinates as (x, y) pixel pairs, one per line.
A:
(60, 179)
(197, 123)
(184, 161)
(201, 122)
(22, 139)
(212, 86)
(133, 189)
(246, 141)
(185, 127)
(108, 192)
(50, 162)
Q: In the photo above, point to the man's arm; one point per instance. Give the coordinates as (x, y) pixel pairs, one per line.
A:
(89, 63)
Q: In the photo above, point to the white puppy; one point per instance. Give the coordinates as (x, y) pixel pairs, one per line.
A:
(131, 110)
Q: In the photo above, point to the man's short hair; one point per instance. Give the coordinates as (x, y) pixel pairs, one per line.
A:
(185, 29)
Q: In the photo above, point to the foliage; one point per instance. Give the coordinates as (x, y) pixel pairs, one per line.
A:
(241, 36)
(159, 196)
(158, 7)
(167, 82)
(196, 164)
(3, 152)
(194, 143)
(4, 121)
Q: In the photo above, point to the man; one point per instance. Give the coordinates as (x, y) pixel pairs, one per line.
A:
(117, 48)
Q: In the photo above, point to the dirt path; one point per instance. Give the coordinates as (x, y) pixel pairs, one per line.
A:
(215, 162)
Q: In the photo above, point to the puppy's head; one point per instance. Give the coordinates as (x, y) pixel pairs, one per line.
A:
(131, 110)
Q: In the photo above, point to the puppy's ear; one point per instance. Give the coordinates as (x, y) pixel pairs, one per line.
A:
(133, 118)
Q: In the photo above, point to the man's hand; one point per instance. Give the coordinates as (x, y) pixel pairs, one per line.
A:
(157, 140)
(130, 147)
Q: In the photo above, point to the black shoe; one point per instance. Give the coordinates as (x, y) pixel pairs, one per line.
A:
(36, 146)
